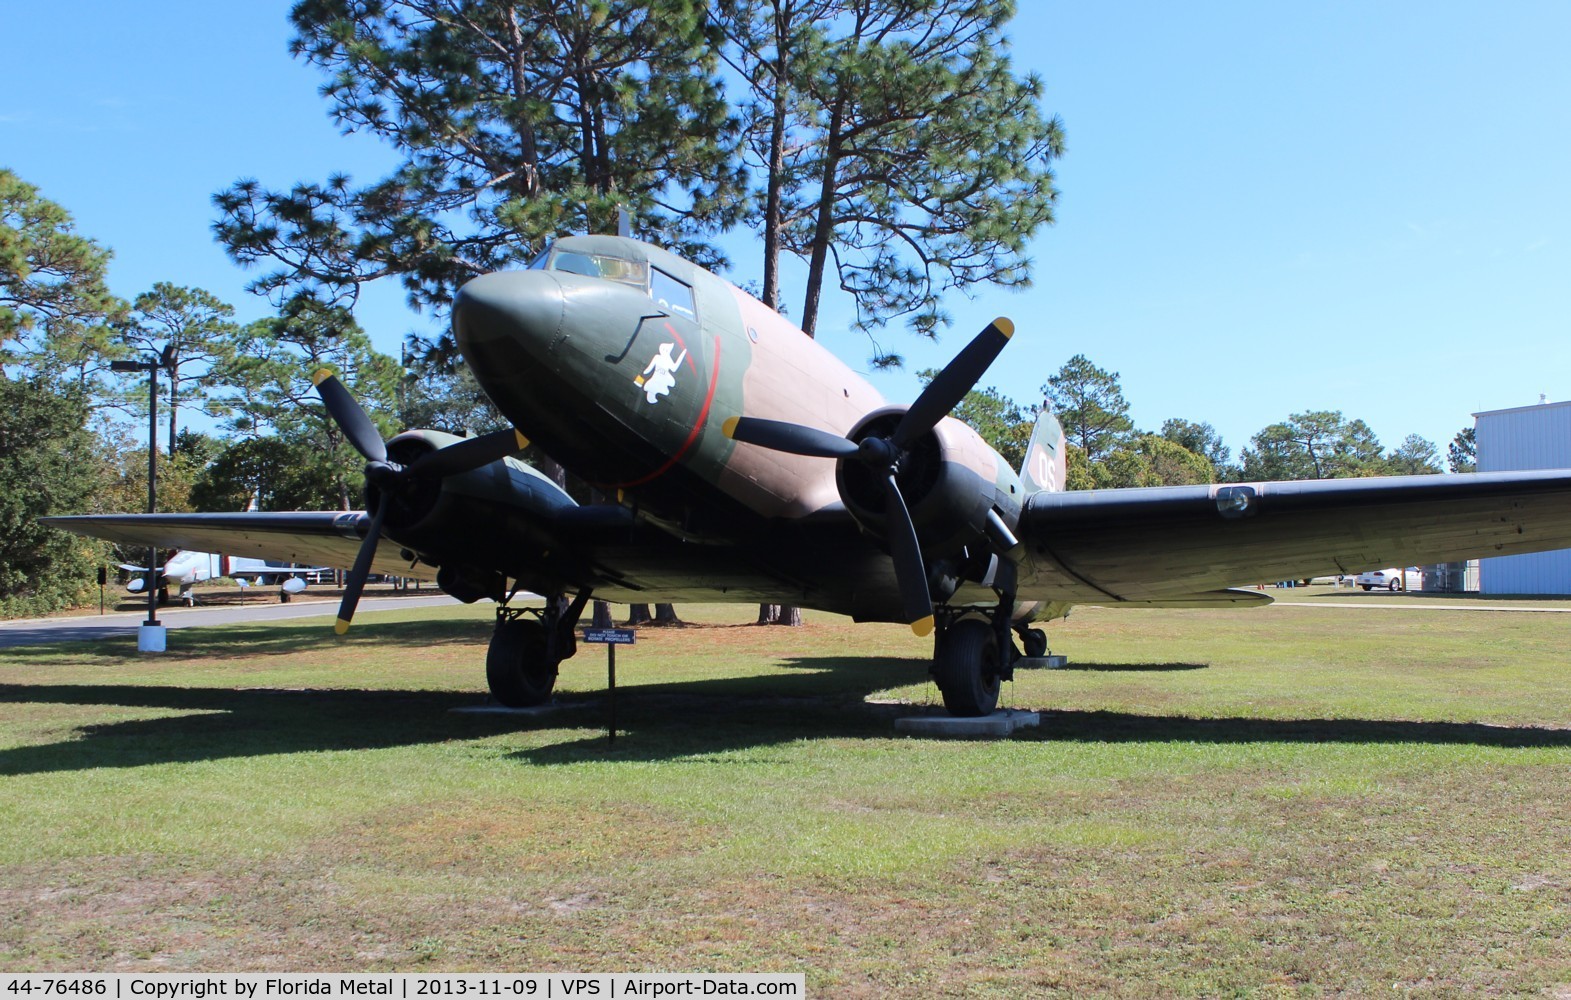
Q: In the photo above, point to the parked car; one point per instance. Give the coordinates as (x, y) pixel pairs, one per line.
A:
(1391, 579)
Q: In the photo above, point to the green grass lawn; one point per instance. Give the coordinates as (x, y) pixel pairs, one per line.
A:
(1284, 801)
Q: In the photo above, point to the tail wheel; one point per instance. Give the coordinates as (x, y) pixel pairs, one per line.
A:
(967, 667)
(1033, 642)
(517, 667)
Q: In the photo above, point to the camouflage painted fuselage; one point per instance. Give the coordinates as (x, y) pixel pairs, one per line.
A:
(630, 392)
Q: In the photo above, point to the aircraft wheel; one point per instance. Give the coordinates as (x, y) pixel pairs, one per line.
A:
(966, 667)
(516, 666)
(1033, 641)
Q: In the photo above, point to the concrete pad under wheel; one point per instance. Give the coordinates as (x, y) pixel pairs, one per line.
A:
(982, 727)
(1055, 662)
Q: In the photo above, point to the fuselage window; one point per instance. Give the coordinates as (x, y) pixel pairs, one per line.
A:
(598, 265)
(672, 295)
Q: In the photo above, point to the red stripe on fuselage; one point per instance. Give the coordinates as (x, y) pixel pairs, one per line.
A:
(703, 415)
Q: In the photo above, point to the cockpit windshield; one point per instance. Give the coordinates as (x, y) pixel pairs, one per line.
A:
(597, 265)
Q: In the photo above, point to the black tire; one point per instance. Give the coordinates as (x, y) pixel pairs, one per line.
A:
(516, 666)
(966, 668)
(1365, 586)
(1033, 642)
(1391, 586)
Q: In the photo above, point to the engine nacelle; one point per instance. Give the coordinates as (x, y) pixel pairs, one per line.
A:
(950, 479)
(445, 520)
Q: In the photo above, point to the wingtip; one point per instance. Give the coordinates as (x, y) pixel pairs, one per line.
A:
(341, 626)
(923, 627)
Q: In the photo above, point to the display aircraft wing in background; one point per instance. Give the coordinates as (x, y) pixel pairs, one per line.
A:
(746, 463)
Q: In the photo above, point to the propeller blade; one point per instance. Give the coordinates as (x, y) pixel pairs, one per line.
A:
(471, 453)
(959, 377)
(795, 439)
(349, 416)
(910, 570)
(361, 569)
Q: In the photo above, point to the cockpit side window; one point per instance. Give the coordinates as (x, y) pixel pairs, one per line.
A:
(597, 265)
(676, 297)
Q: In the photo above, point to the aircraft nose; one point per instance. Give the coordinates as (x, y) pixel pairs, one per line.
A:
(497, 313)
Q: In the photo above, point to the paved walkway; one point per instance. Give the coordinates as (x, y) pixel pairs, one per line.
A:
(26, 632)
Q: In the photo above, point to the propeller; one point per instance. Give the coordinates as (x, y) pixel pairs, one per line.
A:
(942, 395)
(387, 475)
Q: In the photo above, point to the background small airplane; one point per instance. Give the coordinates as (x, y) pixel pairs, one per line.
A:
(187, 568)
(745, 463)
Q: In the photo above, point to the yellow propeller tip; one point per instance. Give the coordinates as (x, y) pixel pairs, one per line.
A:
(1005, 326)
(729, 427)
(523, 442)
(923, 626)
(341, 626)
(321, 375)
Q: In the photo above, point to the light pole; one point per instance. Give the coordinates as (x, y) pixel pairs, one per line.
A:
(150, 366)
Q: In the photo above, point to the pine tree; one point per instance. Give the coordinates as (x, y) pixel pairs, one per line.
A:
(514, 122)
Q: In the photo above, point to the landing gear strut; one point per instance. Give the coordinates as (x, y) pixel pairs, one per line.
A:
(526, 647)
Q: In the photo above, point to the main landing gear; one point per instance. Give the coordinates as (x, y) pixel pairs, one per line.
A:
(527, 645)
(973, 655)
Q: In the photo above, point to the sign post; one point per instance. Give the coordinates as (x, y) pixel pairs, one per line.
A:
(612, 638)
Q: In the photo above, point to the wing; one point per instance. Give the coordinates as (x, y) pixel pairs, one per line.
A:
(330, 538)
(1113, 546)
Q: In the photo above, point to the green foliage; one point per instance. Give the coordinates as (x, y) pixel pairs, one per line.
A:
(1322, 444)
(54, 304)
(514, 122)
(1200, 438)
(1462, 452)
(1319, 444)
(1151, 460)
(919, 161)
(1002, 422)
(279, 473)
(46, 467)
(1077, 468)
(439, 391)
(270, 388)
(1415, 456)
(1090, 403)
(194, 330)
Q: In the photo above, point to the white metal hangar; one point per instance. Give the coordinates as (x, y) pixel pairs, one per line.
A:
(1518, 439)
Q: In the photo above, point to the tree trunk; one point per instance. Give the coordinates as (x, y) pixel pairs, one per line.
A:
(768, 614)
(637, 614)
(602, 615)
(665, 614)
(824, 227)
(790, 615)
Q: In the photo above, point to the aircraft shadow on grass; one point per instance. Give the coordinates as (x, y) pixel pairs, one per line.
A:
(812, 698)
(261, 638)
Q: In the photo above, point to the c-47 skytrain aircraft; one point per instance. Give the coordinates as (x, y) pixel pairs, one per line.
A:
(746, 463)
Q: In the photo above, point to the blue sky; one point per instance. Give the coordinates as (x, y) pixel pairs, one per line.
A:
(1265, 208)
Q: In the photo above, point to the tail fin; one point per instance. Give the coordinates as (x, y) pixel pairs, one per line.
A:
(1046, 465)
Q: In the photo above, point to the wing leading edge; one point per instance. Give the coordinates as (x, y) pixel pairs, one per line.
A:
(1139, 545)
(327, 538)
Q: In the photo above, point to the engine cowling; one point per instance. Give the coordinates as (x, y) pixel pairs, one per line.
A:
(950, 479)
(437, 519)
